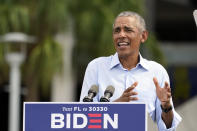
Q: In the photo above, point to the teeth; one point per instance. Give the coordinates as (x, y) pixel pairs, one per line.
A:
(123, 44)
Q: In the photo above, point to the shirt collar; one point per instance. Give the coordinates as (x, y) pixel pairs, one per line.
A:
(143, 62)
(115, 61)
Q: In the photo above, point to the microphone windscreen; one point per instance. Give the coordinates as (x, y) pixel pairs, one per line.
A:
(195, 16)
(110, 89)
(94, 89)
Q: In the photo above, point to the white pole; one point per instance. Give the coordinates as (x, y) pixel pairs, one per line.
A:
(14, 60)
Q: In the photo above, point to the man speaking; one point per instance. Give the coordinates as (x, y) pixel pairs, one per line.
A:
(134, 78)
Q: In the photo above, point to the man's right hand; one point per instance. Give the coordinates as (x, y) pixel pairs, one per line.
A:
(128, 94)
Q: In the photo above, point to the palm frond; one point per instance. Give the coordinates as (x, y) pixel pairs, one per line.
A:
(45, 60)
(13, 18)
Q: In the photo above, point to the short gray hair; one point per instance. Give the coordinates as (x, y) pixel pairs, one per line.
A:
(141, 23)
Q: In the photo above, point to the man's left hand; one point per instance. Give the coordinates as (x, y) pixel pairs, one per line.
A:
(164, 94)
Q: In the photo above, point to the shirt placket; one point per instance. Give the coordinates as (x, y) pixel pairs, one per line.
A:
(130, 79)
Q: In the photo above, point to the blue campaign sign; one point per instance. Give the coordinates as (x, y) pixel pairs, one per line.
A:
(49, 116)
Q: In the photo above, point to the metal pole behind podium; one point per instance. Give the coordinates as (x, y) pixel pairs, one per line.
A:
(14, 61)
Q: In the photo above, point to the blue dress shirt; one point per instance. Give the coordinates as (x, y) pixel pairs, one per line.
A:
(105, 71)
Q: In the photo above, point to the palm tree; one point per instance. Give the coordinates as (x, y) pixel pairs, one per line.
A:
(36, 18)
(14, 17)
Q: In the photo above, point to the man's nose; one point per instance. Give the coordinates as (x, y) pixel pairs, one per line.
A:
(122, 33)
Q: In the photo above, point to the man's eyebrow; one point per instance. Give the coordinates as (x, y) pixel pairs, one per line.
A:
(128, 27)
(116, 27)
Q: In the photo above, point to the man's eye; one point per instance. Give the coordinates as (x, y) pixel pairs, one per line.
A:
(128, 30)
(117, 30)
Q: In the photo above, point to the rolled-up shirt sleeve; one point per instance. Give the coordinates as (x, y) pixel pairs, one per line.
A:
(160, 123)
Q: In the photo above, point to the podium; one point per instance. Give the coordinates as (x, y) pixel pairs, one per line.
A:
(75, 116)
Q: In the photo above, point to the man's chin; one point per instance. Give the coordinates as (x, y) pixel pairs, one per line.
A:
(123, 54)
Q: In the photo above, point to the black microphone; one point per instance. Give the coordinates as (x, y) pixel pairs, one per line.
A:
(91, 94)
(107, 94)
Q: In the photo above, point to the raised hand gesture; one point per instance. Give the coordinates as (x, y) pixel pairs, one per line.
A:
(164, 94)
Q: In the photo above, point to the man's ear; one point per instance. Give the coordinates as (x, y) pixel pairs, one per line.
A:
(144, 36)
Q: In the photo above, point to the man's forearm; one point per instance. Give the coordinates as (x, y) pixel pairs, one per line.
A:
(167, 118)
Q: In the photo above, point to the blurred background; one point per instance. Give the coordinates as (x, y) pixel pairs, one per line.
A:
(45, 46)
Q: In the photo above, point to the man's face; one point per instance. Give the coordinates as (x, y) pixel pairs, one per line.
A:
(126, 36)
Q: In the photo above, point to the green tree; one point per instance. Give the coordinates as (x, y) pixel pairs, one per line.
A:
(42, 19)
(13, 18)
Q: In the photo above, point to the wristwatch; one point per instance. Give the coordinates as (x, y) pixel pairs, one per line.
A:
(166, 110)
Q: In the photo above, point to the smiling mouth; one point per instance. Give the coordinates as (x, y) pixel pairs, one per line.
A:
(123, 44)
